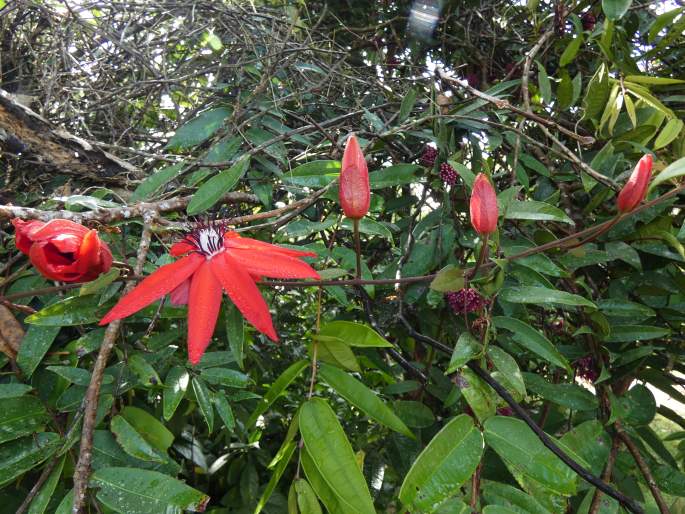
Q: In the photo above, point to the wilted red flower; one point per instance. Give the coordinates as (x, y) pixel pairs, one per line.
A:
(63, 250)
(355, 193)
(636, 188)
(483, 207)
(214, 259)
(465, 300)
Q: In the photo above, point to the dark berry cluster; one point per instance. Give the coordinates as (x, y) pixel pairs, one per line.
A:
(588, 19)
(428, 157)
(585, 368)
(505, 411)
(465, 300)
(448, 174)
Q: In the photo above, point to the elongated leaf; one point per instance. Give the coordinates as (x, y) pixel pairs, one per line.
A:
(225, 377)
(155, 181)
(615, 9)
(235, 333)
(511, 497)
(41, 500)
(223, 408)
(132, 442)
(323, 490)
(571, 396)
(480, 396)
(276, 476)
(670, 131)
(77, 310)
(571, 50)
(333, 457)
(544, 85)
(539, 211)
(203, 401)
(532, 340)
(448, 461)
(624, 333)
(467, 348)
(396, 175)
(199, 129)
(277, 388)
(362, 397)
(211, 191)
(407, 105)
(521, 449)
(21, 416)
(543, 296)
(34, 346)
(653, 81)
(314, 174)
(149, 427)
(17, 457)
(354, 334)
(449, 278)
(306, 498)
(673, 170)
(138, 491)
(13, 390)
(175, 387)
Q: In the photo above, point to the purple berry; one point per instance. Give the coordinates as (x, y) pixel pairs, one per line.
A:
(428, 157)
(465, 301)
(448, 174)
(505, 411)
(585, 368)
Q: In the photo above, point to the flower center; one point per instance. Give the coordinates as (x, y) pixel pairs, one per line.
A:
(208, 240)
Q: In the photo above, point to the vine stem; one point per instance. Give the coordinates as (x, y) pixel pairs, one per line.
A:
(357, 248)
(82, 470)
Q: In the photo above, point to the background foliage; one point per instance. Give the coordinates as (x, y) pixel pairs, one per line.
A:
(211, 99)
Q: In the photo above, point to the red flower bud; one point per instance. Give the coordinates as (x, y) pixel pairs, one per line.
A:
(63, 250)
(636, 188)
(484, 211)
(355, 193)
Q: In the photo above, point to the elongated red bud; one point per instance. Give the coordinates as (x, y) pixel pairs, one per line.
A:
(636, 188)
(483, 207)
(355, 193)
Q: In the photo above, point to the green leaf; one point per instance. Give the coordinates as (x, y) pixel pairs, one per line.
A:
(571, 51)
(224, 409)
(155, 181)
(175, 387)
(17, 457)
(149, 427)
(544, 84)
(407, 105)
(225, 377)
(34, 346)
(199, 129)
(597, 93)
(661, 22)
(41, 500)
(327, 495)
(652, 81)
(335, 351)
(306, 498)
(77, 310)
(670, 131)
(449, 278)
(626, 333)
(625, 309)
(21, 416)
(524, 453)
(313, 174)
(99, 283)
(396, 175)
(543, 296)
(13, 390)
(479, 395)
(673, 170)
(76, 376)
(333, 456)
(277, 388)
(509, 496)
(507, 372)
(468, 347)
(143, 370)
(132, 442)
(362, 397)
(414, 414)
(216, 187)
(369, 226)
(590, 441)
(354, 334)
(615, 9)
(538, 211)
(235, 333)
(203, 401)
(138, 491)
(532, 340)
(571, 396)
(276, 476)
(448, 461)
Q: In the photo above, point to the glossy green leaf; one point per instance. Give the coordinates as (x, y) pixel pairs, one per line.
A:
(145, 372)
(99, 283)
(149, 427)
(354, 334)
(34, 346)
(520, 448)
(448, 461)
(538, 211)
(77, 310)
(225, 377)
(449, 278)
(175, 387)
(359, 395)
(480, 396)
(235, 333)
(203, 400)
(571, 396)
(332, 455)
(155, 181)
(13, 390)
(532, 340)
(199, 129)
(21, 416)
(335, 351)
(571, 50)
(670, 131)
(508, 496)
(216, 187)
(78, 376)
(133, 442)
(223, 408)
(129, 490)
(313, 174)
(507, 372)
(397, 175)
(414, 414)
(306, 498)
(543, 296)
(625, 333)
(468, 347)
(544, 85)
(276, 390)
(327, 495)
(40, 502)
(17, 457)
(615, 9)
(674, 170)
(407, 105)
(276, 475)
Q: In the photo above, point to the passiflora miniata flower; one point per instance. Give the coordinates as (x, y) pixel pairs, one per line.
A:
(63, 250)
(355, 193)
(636, 188)
(213, 259)
(483, 206)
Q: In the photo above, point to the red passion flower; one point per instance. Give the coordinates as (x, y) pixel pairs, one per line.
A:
(483, 206)
(215, 259)
(63, 250)
(635, 189)
(355, 193)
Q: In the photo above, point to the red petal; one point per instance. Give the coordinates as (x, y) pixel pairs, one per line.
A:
(59, 227)
(355, 193)
(204, 302)
(244, 293)
(179, 296)
(246, 243)
(634, 191)
(89, 253)
(65, 243)
(23, 231)
(483, 206)
(181, 248)
(272, 264)
(48, 261)
(155, 286)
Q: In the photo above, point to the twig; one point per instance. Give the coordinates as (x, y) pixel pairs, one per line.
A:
(606, 475)
(644, 468)
(82, 470)
(36, 487)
